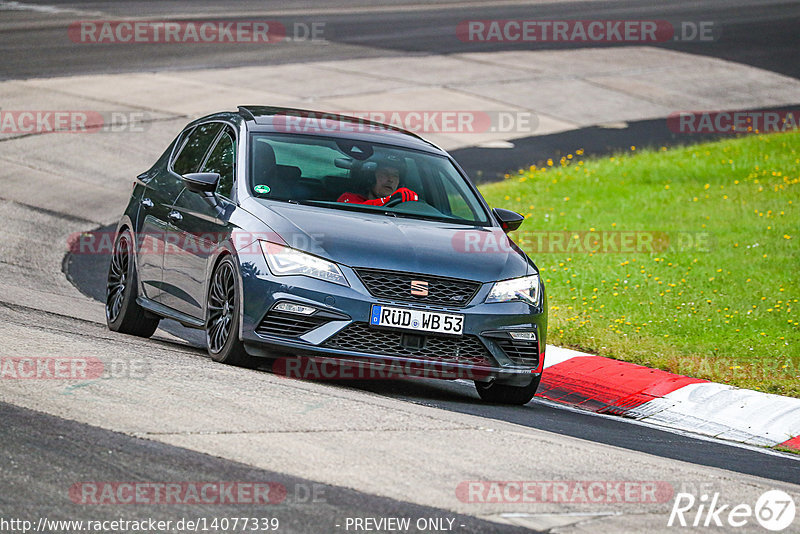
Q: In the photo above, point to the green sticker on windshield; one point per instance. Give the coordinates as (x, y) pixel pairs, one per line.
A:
(262, 189)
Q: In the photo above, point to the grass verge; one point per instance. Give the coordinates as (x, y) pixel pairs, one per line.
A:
(684, 259)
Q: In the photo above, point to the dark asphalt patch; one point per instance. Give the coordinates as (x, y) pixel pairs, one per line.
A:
(491, 164)
(44, 456)
(88, 272)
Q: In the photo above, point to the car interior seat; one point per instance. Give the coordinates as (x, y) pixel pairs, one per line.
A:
(264, 166)
(282, 180)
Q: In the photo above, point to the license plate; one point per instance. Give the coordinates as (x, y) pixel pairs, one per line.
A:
(422, 320)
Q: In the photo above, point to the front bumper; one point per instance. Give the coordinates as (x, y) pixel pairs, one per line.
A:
(340, 330)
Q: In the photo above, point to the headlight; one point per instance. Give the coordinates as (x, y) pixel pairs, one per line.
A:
(525, 288)
(286, 261)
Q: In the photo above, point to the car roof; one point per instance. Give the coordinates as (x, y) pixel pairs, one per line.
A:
(274, 119)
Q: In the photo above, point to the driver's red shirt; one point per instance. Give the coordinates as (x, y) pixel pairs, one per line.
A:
(355, 198)
(403, 195)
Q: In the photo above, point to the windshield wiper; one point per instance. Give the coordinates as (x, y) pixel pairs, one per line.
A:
(423, 217)
(366, 208)
(341, 205)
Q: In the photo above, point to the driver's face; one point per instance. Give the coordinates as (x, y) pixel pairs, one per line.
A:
(387, 179)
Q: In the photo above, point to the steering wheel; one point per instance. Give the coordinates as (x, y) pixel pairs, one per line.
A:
(394, 202)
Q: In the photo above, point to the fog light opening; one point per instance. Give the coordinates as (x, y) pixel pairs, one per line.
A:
(523, 336)
(291, 307)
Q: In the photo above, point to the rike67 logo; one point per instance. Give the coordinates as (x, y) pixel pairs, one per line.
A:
(774, 510)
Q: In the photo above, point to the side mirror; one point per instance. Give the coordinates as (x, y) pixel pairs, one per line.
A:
(509, 220)
(201, 182)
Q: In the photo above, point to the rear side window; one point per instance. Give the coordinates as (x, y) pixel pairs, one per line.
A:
(195, 148)
(221, 161)
(314, 160)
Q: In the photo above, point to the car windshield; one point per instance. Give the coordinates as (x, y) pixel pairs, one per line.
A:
(345, 174)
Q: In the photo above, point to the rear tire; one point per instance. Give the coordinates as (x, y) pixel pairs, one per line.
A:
(504, 394)
(123, 314)
(222, 318)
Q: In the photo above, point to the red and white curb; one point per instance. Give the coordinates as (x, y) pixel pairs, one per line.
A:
(603, 385)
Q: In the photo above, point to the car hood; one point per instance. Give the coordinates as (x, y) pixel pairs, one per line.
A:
(378, 241)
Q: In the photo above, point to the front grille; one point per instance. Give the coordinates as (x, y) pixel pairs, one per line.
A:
(396, 285)
(277, 323)
(358, 337)
(521, 352)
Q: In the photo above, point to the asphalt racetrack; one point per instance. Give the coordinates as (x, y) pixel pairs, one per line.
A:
(370, 449)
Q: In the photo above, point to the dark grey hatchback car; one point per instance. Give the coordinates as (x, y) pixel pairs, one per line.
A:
(301, 236)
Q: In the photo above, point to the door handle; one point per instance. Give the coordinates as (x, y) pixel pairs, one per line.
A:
(175, 216)
(147, 203)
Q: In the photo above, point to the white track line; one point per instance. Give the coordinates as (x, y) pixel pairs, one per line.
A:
(39, 8)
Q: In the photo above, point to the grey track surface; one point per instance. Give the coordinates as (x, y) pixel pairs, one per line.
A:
(43, 456)
(398, 445)
(758, 33)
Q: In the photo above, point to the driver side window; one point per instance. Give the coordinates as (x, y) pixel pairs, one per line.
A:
(221, 161)
(195, 148)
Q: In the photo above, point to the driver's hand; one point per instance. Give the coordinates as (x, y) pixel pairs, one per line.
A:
(403, 193)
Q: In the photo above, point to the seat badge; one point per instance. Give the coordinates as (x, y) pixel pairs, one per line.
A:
(419, 288)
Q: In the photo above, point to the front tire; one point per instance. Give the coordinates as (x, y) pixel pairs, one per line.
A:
(222, 318)
(504, 394)
(123, 314)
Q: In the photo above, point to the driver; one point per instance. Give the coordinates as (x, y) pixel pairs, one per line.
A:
(384, 188)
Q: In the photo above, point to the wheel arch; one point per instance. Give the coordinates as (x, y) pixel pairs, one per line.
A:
(125, 223)
(226, 250)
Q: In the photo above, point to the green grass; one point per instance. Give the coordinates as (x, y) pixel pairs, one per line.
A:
(719, 302)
